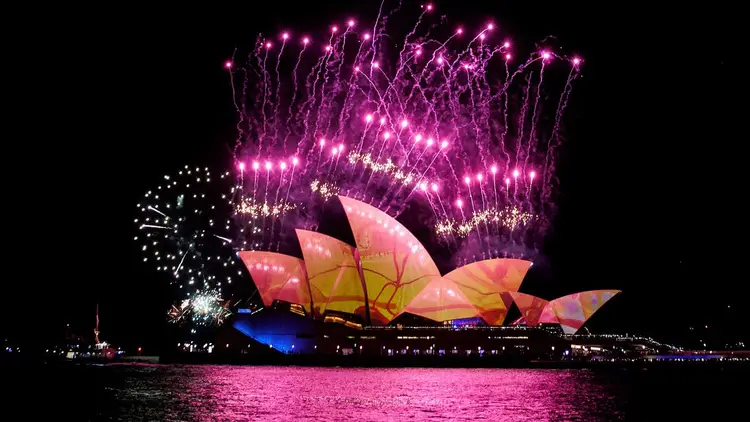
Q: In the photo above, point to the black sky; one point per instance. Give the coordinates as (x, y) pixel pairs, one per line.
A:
(649, 202)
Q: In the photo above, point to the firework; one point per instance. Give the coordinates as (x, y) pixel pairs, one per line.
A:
(449, 122)
(509, 218)
(266, 197)
(325, 190)
(255, 210)
(203, 308)
(185, 229)
(450, 119)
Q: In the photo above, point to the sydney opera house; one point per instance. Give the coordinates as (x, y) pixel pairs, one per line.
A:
(386, 296)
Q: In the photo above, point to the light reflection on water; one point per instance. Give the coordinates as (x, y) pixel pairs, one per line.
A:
(289, 393)
(70, 391)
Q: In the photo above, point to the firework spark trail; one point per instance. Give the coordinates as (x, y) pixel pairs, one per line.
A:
(311, 89)
(483, 125)
(454, 105)
(461, 208)
(417, 139)
(494, 189)
(291, 180)
(481, 191)
(529, 186)
(419, 179)
(157, 211)
(335, 160)
(398, 142)
(532, 132)
(386, 136)
(254, 124)
(503, 94)
(419, 157)
(326, 77)
(360, 144)
(509, 80)
(474, 212)
(240, 113)
(381, 22)
(454, 110)
(386, 94)
(374, 44)
(416, 86)
(432, 207)
(561, 105)
(320, 155)
(347, 107)
(454, 97)
(295, 88)
(433, 112)
(255, 178)
(265, 204)
(504, 98)
(485, 109)
(436, 56)
(480, 179)
(381, 101)
(477, 132)
(276, 117)
(337, 86)
(151, 226)
(440, 201)
(522, 120)
(401, 62)
(266, 90)
(392, 86)
(223, 238)
(276, 196)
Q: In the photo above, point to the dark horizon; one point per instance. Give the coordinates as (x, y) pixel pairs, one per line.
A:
(640, 207)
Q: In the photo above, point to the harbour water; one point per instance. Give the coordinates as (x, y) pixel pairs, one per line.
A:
(133, 392)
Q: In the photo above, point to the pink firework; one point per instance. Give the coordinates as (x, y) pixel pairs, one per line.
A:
(381, 124)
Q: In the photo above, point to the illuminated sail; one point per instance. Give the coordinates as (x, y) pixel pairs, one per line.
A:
(278, 277)
(484, 283)
(572, 311)
(332, 271)
(395, 266)
(442, 300)
(534, 310)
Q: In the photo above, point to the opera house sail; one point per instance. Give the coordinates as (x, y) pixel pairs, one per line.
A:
(387, 275)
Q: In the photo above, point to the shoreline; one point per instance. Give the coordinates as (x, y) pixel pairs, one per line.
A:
(323, 361)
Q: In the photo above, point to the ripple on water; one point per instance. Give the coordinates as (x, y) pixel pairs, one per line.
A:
(290, 393)
(239, 393)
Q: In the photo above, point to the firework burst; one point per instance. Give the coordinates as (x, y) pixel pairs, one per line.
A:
(185, 229)
(450, 119)
(204, 308)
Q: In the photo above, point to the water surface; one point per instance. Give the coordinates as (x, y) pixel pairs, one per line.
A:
(228, 393)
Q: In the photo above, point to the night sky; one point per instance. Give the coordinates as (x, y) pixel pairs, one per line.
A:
(649, 201)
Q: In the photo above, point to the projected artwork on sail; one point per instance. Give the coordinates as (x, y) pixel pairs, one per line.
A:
(277, 277)
(484, 283)
(574, 310)
(395, 265)
(333, 274)
(442, 300)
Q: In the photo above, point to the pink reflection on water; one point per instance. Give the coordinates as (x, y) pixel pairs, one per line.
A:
(415, 394)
